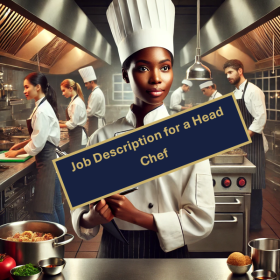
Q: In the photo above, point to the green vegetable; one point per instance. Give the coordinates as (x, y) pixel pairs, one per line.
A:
(26, 270)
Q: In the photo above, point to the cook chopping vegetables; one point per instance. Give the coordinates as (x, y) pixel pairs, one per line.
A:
(251, 103)
(168, 213)
(76, 115)
(177, 99)
(96, 100)
(44, 133)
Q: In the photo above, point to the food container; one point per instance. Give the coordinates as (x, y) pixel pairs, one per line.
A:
(239, 269)
(235, 156)
(33, 252)
(31, 277)
(6, 145)
(58, 262)
(264, 274)
(265, 253)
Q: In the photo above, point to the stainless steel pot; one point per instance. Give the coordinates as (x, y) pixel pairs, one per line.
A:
(33, 252)
(265, 253)
(6, 145)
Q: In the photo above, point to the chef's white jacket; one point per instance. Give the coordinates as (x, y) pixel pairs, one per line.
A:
(215, 94)
(45, 128)
(175, 100)
(183, 200)
(255, 103)
(96, 104)
(78, 116)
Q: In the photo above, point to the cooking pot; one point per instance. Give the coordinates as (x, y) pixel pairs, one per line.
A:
(5, 145)
(19, 138)
(265, 253)
(33, 252)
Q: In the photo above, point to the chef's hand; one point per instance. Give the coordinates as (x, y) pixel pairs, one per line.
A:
(122, 208)
(251, 133)
(103, 209)
(11, 154)
(17, 146)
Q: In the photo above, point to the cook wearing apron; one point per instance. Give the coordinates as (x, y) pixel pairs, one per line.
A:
(176, 209)
(256, 154)
(208, 89)
(76, 119)
(177, 99)
(96, 101)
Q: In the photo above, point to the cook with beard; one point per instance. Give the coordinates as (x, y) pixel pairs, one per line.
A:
(177, 99)
(96, 100)
(209, 89)
(251, 101)
(177, 209)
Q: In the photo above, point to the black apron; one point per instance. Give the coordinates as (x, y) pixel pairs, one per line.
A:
(93, 122)
(142, 244)
(75, 135)
(45, 179)
(255, 150)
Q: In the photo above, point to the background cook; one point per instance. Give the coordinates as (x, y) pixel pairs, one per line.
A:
(209, 89)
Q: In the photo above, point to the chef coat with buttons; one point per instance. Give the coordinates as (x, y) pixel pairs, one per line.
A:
(255, 103)
(45, 128)
(215, 95)
(96, 104)
(181, 202)
(78, 116)
(175, 100)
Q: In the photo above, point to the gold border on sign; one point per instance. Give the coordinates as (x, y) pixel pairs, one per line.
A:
(143, 127)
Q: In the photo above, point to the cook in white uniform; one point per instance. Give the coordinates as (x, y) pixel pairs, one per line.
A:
(76, 115)
(177, 99)
(44, 131)
(209, 89)
(177, 209)
(96, 100)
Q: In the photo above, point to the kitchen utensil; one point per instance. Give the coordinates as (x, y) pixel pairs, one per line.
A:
(17, 159)
(264, 274)
(32, 277)
(58, 262)
(235, 156)
(33, 252)
(6, 145)
(265, 253)
(239, 269)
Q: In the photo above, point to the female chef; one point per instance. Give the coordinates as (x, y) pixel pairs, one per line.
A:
(44, 131)
(76, 115)
(177, 209)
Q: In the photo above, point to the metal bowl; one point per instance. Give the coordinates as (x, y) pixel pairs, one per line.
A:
(258, 274)
(59, 262)
(239, 269)
(32, 277)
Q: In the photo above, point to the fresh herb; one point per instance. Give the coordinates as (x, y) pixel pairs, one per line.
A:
(26, 270)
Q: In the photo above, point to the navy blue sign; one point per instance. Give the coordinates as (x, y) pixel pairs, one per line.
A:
(151, 151)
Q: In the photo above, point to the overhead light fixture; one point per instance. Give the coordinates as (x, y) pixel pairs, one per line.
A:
(198, 71)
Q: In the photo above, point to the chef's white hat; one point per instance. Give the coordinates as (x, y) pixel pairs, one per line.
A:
(206, 84)
(87, 74)
(139, 24)
(188, 83)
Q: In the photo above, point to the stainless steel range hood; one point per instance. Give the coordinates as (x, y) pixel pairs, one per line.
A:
(234, 19)
(54, 33)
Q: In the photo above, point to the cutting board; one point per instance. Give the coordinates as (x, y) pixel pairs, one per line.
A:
(20, 158)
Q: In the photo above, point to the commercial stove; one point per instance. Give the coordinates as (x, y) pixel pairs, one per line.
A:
(232, 187)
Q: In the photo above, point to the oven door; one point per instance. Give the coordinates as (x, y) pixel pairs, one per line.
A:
(227, 235)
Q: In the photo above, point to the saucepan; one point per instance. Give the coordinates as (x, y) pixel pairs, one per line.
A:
(33, 252)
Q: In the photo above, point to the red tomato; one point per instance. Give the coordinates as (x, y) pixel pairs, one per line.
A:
(6, 264)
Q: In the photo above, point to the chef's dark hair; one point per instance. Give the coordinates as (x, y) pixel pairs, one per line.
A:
(214, 86)
(127, 62)
(235, 64)
(35, 79)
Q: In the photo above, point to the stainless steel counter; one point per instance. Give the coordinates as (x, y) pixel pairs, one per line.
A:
(246, 167)
(147, 269)
(18, 170)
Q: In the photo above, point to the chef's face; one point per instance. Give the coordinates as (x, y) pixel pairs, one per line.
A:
(30, 91)
(150, 75)
(185, 88)
(233, 76)
(66, 92)
(89, 85)
(207, 91)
